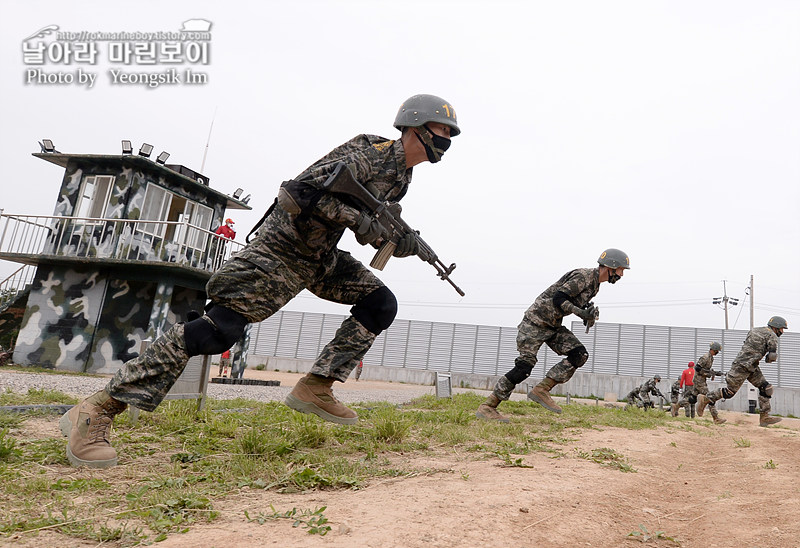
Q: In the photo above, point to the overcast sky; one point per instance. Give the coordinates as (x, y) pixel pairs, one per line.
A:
(670, 130)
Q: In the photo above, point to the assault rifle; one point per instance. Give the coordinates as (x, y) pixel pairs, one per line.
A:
(715, 374)
(341, 181)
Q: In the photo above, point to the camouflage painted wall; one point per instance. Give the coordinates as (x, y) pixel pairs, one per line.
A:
(122, 324)
(58, 325)
(125, 321)
(91, 321)
(11, 318)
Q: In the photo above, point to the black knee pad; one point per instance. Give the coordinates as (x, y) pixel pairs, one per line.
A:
(727, 394)
(577, 356)
(377, 310)
(522, 370)
(204, 338)
(693, 399)
(765, 390)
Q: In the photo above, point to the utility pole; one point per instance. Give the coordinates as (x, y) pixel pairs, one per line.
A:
(750, 292)
(724, 300)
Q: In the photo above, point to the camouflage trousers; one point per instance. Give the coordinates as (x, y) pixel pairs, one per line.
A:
(530, 339)
(689, 393)
(734, 379)
(701, 387)
(256, 283)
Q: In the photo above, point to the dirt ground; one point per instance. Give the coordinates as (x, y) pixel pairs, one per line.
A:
(695, 485)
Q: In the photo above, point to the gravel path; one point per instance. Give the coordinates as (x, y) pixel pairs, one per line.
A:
(350, 392)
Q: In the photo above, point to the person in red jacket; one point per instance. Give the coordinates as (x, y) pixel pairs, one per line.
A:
(689, 395)
(227, 230)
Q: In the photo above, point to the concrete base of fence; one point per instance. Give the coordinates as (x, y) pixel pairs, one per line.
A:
(785, 401)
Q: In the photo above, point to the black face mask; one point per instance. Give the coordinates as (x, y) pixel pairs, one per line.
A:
(613, 277)
(440, 145)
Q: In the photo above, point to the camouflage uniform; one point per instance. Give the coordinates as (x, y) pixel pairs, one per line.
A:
(289, 254)
(759, 342)
(542, 325)
(675, 392)
(633, 397)
(649, 387)
(702, 371)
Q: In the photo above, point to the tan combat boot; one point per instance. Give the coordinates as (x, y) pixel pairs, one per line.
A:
(765, 420)
(488, 410)
(674, 409)
(88, 425)
(702, 401)
(313, 394)
(719, 420)
(541, 395)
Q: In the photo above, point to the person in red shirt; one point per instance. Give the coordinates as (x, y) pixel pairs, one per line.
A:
(227, 230)
(224, 363)
(689, 395)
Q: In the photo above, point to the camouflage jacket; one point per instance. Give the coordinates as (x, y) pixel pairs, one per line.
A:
(759, 341)
(675, 389)
(703, 365)
(579, 285)
(651, 387)
(376, 161)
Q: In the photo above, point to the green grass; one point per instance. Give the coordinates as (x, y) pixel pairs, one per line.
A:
(176, 467)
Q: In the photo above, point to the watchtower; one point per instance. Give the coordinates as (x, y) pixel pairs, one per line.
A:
(126, 254)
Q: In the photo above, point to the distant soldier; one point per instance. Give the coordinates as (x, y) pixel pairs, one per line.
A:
(702, 372)
(648, 388)
(571, 294)
(634, 399)
(761, 342)
(674, 396)
(689, 395)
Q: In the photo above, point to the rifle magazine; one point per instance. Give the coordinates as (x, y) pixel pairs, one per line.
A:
(383, 255)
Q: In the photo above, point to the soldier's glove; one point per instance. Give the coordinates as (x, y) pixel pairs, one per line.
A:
(369, 230)
(586, 314)
(771, 357)
(407, 245)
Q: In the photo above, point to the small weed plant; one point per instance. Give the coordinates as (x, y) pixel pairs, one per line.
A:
(314, 522)
(643, 535)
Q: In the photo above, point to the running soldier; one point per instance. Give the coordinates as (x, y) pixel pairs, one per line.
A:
(295, 249)
(650, 387)
(761, 342)
(571, 294)
(703, 371)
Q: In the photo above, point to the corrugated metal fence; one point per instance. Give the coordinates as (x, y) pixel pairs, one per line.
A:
(616, 349)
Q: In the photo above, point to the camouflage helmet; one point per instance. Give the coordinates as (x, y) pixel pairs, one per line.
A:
(777, 322)
(614, 258)
(657, 377)
(418, 110)
(715, 346)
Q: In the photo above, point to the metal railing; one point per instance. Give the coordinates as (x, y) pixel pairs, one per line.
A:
(16, 283)
(117, 239)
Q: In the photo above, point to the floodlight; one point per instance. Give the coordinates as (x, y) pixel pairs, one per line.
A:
(246, 199)
(162, 157)
(127, 148)
(238, 193)
(48, 146)
(146, 150)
